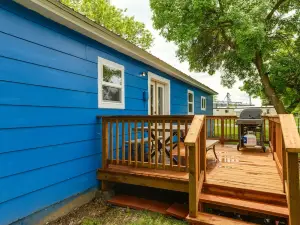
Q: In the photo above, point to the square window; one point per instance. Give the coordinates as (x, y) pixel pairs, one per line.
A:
(111, 92)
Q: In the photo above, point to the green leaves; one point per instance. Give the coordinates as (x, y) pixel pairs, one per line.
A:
(114, 20)
(250, 40)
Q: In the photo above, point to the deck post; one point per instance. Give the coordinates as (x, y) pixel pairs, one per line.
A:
(104, 184)
(293, 191)
(193, 175)
(291, 141)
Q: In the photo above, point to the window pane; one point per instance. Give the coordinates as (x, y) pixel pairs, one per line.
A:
(151, 99)
(190, 108)
(111, 75)
(111, 94)
(191, 99)
(160, 101)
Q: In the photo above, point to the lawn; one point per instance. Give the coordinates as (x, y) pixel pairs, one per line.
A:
(121, 216)
(97, 212)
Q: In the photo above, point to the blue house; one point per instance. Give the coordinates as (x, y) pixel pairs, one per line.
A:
(58, 71)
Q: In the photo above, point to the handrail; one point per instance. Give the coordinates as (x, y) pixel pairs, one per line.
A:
(193, 133)
(139, 117)
(196, 143)
(285, 142)
(290, 133)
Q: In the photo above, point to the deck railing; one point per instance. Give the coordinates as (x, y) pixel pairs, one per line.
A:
(224, 128)
(285, 145)
(196, 143)
(145, 141)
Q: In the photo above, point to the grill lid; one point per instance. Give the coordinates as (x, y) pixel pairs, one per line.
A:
(251, 113)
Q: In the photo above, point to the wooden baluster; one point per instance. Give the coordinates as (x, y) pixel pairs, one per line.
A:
(284, 164)
(111, 142)
(164, 144)
(171, 144)
(178, 145)
(129, 142)
(211, 128)
(234, 127)
(117, 142)
(104, 143)
(222, 132)
(230, 132)
(156, 145)
(136, 144)
(186, 148)
(265, 131)
(274, 136)
(149, 144)
(142, 144)
(225, 128)
(202, 150)
(123, 142)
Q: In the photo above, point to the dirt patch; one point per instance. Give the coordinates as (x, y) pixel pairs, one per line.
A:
(97, 212)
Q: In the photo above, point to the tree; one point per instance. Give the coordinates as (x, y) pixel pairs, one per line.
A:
(256, 41)
(114, 20)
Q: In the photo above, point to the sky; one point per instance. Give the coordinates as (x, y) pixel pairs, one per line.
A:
(166, 51)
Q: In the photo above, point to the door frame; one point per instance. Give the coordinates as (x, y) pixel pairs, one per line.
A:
(166, 82)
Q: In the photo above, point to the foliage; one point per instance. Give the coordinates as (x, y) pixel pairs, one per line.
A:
(256, 41)
(114, 20)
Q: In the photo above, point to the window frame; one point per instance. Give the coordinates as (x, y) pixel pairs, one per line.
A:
(203, 108)
(188, 102)
(110, 104)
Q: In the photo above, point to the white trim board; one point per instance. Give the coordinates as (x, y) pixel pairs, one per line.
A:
(61, 14)
(167, 94)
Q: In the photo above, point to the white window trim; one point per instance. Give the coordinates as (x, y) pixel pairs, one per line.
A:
(203, 108)
(166, 82)
(188, 102)
(104, 104)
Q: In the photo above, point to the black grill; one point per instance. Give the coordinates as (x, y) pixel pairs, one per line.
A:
(250, 120)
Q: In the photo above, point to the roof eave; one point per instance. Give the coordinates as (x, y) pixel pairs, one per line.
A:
(61, 14)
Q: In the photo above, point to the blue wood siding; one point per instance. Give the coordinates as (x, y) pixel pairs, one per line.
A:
(49, 136)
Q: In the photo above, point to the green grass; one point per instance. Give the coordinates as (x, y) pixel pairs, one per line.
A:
(121, 216)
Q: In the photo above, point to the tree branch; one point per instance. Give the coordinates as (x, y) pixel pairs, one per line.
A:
(276, 7)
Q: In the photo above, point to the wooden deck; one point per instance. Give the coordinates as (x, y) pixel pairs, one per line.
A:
(248, 182)
(248, 169)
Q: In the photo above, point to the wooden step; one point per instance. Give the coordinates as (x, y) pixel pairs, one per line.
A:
(245, 194)
(179, 211)
(245, 205)
(134, 202)
(209, 219)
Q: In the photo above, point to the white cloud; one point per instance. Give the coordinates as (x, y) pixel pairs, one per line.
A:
(166, 51)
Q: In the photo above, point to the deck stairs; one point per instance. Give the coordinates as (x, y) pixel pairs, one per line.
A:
(231, 199)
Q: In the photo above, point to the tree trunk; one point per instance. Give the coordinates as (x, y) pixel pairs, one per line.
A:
(269, 90)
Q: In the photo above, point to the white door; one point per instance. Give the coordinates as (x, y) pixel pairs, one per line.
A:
(157, 98)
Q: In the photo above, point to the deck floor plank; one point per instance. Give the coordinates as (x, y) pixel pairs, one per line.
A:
(249, 169)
